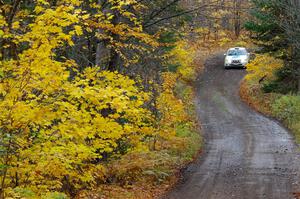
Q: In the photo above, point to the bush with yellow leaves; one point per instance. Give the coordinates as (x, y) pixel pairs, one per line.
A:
(263, 67)
(183, 55)
(57, 128)
(62, 126)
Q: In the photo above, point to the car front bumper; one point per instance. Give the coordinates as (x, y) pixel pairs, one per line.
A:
(235, 65)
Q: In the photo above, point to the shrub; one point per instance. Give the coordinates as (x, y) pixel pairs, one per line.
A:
(263, 67)
(287, 109)
(182, 56)
(24, 193)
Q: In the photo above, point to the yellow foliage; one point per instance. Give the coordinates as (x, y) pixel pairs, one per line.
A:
(172, 109)
(117, 34)
(263, 66)
(57, 133)
(59, 123)
(183, 56)
(54, 129)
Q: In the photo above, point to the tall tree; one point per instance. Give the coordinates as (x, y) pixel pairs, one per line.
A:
(276, 25)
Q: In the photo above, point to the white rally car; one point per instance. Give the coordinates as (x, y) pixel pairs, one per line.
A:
(236, 57)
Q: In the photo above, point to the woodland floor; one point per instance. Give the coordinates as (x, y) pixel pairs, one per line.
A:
(247, 155)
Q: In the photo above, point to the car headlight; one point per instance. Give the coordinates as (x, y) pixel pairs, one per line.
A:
(244, 61)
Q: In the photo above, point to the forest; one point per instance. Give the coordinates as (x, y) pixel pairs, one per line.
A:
(97, 97)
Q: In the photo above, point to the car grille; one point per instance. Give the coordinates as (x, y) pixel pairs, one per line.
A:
(236, 61)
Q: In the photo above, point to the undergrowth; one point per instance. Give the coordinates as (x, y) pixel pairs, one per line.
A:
(285, 108)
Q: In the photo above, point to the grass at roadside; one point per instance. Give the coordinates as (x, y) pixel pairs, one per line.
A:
(285, 108)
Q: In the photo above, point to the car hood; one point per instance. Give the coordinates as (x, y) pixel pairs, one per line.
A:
(238, 57)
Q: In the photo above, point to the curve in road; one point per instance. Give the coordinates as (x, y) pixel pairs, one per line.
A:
(247, 155)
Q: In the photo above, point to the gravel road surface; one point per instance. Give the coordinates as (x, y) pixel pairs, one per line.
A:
(247, 155)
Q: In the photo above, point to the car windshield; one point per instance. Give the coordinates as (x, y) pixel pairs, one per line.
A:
(237, 52)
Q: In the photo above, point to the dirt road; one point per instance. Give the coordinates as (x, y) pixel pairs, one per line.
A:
(247, 155)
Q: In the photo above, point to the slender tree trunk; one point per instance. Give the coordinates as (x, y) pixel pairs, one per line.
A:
(114, 61)
(237, 18)
(102, 52)
(108, 58)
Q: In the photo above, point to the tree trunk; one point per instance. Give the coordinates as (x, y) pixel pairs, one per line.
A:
(114, 61)
(237, 18)
(102, 54)
(108, 58)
